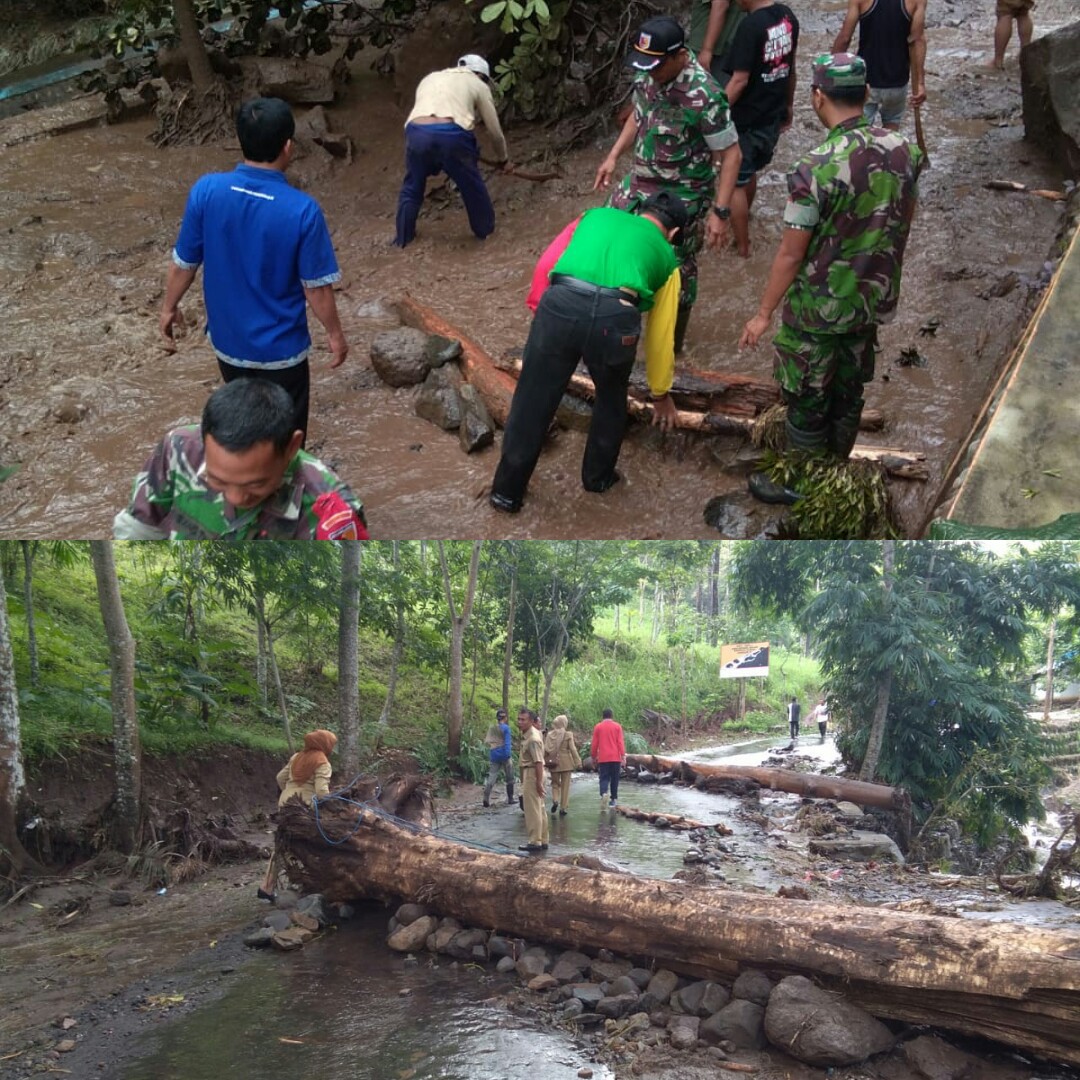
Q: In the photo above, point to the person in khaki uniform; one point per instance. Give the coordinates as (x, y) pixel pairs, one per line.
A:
(306, 774)
(562, 757)
(531, 761)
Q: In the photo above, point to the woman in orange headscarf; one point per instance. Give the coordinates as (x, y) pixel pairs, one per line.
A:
(306, 774)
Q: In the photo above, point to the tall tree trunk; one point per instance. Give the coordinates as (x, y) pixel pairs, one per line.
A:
(349, 658)
(29, 549)
(508, 655)
(398, 650)
(191, 42)
(14, 859)
(682, 673)
(458, 625)
(1048, 704)
(260, 661)
(127, 755)
(885, 678)
(260, 612)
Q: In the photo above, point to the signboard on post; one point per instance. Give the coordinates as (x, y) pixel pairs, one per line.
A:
(744, 661)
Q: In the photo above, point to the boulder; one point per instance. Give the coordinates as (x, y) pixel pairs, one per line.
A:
(700, 999)
(740, 1022)
(753, 985)
(291, 940)
(608, 970)
(931, 1058)
(849, 809)
(299, 82)
(278, 920)
(589, 994)
(412, 938)
(624, 985)
(859, 847)
(1048, 68)
(683, 1031)
(641, 976)
(441, 350)
(444, 934)
(301, 918)
(573, 1007)
(505, 965)
(542, 983)
(819, 1028)
(615, 1005)
(400, 356)
(534, 962)
(477, 430)
(499, 946)
(461, 945)
(571, 966)
(662, 985)
(409, 913)
(438, 400)
(259, 939)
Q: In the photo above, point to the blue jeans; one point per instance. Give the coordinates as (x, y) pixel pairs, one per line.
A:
(434, 148)
(609, 777)
(570, 326)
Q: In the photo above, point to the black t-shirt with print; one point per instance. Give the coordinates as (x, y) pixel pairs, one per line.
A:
(764, 46)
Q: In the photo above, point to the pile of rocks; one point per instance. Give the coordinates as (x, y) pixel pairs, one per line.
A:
(295, 920)
(408, 357)
(631, 1007)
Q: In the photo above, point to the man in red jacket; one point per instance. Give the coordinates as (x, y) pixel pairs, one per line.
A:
(608, 752)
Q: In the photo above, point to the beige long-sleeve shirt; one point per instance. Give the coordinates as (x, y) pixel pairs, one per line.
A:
(462, 96)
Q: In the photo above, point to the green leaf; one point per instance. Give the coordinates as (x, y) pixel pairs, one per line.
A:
(541, 10)
(492, 11)
(516, 9)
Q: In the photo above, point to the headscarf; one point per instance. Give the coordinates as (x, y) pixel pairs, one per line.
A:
(556, 736)
(560, 722)
(318, 745)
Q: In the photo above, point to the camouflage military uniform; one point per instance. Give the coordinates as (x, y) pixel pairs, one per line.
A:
(171, 500)
(855, 193)
(680, 125)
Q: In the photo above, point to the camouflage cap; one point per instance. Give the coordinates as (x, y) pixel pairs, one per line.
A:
(839, 71)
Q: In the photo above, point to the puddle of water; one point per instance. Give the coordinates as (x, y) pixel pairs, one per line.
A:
(342, 1000)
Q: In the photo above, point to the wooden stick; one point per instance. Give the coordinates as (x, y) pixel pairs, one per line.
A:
(1015, 185)
(920, 138)
(525, 174)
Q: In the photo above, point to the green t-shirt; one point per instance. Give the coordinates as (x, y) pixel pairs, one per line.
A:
(617, 249)
(699, 23)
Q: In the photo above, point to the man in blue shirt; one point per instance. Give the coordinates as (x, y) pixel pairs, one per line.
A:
(266, 253)
(500, 758)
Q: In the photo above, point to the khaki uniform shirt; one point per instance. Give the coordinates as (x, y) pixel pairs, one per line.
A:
(463, 96)
(532, 753)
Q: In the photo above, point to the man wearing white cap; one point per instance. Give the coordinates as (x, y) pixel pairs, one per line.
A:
(439, 138)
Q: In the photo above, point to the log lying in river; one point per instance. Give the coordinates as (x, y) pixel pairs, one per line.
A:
(810, 785)
(671, 821)
(1017, 984)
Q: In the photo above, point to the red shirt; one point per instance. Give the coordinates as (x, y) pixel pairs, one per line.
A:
(607, 742)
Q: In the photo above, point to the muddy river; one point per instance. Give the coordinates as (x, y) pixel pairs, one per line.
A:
(88, 218)
(346, 1005)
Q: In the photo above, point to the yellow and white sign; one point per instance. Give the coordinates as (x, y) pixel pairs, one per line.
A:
(746, 661)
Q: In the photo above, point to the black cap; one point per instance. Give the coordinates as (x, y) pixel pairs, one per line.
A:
(500, 714)
(669, 209)
(654, 42)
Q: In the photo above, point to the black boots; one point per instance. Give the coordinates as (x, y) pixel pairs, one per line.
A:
(509, 794)
(682, 318)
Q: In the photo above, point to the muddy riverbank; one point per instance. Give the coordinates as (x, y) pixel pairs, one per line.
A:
(162, 986)
(89, 218)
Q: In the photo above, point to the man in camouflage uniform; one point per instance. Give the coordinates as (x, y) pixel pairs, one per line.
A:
(684, 142)
(241, 476)
(849, 210)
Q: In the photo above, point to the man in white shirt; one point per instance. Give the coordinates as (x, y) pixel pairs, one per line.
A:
(439, 138)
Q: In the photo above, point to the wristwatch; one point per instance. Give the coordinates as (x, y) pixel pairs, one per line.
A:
(722, 212)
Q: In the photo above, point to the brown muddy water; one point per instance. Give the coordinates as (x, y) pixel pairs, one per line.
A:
(87, 220)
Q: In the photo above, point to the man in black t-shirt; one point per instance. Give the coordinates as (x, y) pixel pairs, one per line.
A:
(761, 93)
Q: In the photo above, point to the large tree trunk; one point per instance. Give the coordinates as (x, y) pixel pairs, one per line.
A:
(508, 654)
(28, 551)
(14, 859)
(1014, 983)
(398, 650)
(1048, 703)
(127, 755)
(809, 785)
(349, 658)
(202, 75)
(275, 671)
(885, 678)
(458, 625)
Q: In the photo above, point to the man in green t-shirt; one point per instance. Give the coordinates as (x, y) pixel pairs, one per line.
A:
(712, 29)
(605, 269)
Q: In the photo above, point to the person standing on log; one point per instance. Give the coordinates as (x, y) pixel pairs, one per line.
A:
(837, 271)
(265, 251)
(532, 781)
(892, 41)
(608, 753)
(684, 142)
(604, 269)
(562, 757)
(794, 711)
(439, 139)
(307, 775)
(500, 759)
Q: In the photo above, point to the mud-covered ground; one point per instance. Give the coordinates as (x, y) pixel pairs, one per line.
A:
(68, 951)
(88, 219)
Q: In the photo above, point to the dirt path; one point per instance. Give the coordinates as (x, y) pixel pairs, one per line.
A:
(89, 217)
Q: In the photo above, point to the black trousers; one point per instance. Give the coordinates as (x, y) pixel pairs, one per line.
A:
(296, 380)
(570, 326)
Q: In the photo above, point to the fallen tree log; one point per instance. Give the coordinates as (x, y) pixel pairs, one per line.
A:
(1013, 983)
(671, 821)
(810, 785)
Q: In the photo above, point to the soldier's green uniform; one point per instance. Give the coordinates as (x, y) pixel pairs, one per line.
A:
(171, 499)
(856, 193)
(680, 125)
